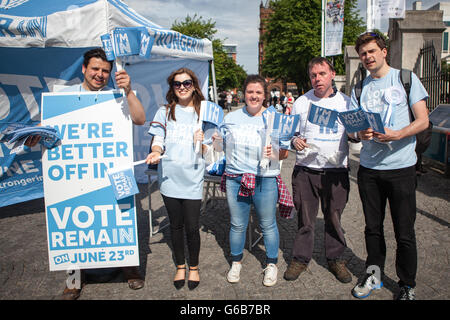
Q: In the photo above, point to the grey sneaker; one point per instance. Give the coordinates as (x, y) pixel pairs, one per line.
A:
(367, 285)
(406, 293)
(294, 270)
(340, 271)
(270, 275)
(233, 275)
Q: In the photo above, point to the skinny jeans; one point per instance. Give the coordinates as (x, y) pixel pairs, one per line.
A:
(184, 216)
(265, 202)
(398, 186)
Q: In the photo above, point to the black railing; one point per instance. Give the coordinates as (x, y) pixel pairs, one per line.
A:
(435, 80)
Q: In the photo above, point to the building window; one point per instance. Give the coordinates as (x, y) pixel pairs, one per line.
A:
(445, 42)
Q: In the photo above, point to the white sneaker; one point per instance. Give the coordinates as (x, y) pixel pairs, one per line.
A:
(270, 275)
(233, 274)
(367, 285)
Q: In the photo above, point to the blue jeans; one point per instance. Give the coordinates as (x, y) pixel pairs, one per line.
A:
(265, 201)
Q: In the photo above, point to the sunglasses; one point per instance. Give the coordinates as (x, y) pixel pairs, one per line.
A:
(186, 84)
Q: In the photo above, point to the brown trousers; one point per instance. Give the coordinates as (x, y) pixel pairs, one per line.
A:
(330, 187)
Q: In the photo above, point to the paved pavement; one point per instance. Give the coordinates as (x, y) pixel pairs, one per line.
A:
(24, 271)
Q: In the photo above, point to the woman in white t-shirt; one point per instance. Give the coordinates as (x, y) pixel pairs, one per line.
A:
(176, 129)
(247, 182)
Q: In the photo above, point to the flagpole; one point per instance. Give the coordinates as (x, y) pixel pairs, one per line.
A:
(322, 47)
(369, 15)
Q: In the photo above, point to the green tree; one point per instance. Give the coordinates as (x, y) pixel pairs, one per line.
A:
(293, 38)
(229, 75)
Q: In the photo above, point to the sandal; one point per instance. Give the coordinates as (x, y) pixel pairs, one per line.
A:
(192, 284)
(179, 283)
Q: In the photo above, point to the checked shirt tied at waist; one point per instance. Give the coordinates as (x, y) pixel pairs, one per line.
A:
(248, 181)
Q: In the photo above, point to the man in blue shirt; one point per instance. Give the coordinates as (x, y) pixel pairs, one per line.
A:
(387, 165)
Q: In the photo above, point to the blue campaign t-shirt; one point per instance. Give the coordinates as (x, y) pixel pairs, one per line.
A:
(244, 139)
(180, 175)
(387, 96)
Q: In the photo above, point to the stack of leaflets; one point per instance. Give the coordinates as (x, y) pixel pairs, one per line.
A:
(17, 133)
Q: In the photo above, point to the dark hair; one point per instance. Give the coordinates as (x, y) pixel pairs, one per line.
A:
(367, 37)
(320, 60)
(256, 78)
(171, 97)
(95, 53)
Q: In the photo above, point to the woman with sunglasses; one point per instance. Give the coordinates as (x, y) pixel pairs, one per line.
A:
(175, 131)
(246, 181)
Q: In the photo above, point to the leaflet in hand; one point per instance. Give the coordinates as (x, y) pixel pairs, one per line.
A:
(20, 132)
(357, 120)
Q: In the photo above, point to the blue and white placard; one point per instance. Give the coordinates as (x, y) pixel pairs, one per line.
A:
(284, 125)
(87, 227)
(322, 116)
(211, 112)
(127, 42)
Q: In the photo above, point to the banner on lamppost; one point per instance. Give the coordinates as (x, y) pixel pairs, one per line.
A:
(334, 27)
(385, 9)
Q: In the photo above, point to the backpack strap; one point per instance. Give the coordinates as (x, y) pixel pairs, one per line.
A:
(358, 90)
(406, 79)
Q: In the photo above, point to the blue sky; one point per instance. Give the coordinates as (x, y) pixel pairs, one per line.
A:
(237, 21)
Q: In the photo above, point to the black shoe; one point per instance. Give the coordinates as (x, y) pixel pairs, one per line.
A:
(179, 283)
(191, 283)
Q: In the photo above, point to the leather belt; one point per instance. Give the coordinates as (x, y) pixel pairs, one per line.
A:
(322, 171)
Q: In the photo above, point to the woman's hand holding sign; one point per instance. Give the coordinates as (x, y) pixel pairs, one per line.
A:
(155, 156)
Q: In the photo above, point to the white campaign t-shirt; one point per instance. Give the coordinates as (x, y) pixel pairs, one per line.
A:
(332, 143)
(180, 175)
(244, 139)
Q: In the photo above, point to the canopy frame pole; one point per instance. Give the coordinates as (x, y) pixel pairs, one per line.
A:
(213, 72)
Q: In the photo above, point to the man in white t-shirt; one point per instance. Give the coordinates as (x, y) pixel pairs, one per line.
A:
(320, 174)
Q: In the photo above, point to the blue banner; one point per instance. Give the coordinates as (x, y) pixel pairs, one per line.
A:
(211, 112)
(127, 42)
